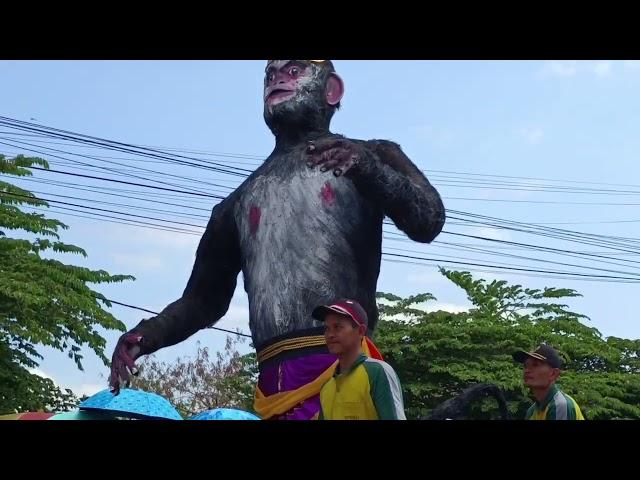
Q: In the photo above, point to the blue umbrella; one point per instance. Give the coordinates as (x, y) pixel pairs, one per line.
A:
(132, 403)
(224, 414)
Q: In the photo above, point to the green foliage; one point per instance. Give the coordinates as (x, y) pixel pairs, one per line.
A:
(439, 354)
(203, 383)
(21, 391)
(42, 300)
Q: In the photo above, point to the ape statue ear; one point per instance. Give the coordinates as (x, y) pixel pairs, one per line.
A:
(334, 90)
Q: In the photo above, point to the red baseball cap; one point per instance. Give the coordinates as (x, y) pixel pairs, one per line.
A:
(347, 307)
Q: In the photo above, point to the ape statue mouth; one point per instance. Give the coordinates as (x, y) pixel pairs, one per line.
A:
(276, 94)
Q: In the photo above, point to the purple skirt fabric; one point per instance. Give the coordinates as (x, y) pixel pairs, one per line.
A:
(292, 373)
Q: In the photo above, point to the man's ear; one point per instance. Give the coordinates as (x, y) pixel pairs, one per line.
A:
(362, 330)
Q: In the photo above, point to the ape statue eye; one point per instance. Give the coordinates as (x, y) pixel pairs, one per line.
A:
(271, 76)
(294, 71)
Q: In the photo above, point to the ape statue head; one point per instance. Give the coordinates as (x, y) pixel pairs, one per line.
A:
(300, 95)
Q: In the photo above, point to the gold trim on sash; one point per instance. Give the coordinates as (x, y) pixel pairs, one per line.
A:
(290, 344)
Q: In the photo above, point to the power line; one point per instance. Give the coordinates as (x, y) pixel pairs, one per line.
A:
(219, 197)
(473, 264)
(154, 201)
(457, 246)
(108, 169)
(533, 259)
(158, 219)
(536, 229)
(202, 226)
(533, 178)
(203, 216)
(120, 221)
(136, 207)
(109, 190)
(534, 247)
(241, 334)
(213, 154)
(260, 158)
(190, 192)
(146, 170)
(542, 202)
(127, 183)
(502, 272)
(513, 268)
(123, 147)
(102, 210)
(577, 237)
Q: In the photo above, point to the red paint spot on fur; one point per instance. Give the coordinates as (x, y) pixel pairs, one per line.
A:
(328, 194)
(254, 219)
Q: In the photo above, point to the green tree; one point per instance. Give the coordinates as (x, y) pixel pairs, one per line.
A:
(42, 300)
(203, 383)
(439, 354)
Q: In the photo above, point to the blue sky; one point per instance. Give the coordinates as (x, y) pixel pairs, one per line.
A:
(558, 120)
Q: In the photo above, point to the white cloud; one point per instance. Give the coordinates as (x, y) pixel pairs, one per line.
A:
(570, 68)
(79, 390)
(88, 389)
(602, 68)
(384, 301)
(40, 373)
(447, 307)
(532, 135)
(399, 318)
(632, 65)
(557, 68)
(430, 307)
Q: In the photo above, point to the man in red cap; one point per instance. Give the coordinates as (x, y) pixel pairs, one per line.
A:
(362, 388)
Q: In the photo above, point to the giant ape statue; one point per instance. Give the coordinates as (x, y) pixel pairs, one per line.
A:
(305, 228)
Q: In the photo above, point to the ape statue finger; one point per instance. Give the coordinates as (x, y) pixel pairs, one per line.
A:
(346, 166)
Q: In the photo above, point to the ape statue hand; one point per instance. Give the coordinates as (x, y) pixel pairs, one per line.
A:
(341, 155)
(128, 349)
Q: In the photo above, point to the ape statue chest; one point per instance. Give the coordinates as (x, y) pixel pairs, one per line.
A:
(287, 197)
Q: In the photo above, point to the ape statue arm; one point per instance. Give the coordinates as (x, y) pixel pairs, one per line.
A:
(204, 301)
(209, 290)
(385, 176)
(390, 179)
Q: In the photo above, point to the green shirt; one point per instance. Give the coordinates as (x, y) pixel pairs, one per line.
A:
(557, 405)
(370, 390)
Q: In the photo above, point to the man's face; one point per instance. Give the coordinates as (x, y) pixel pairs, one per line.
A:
(342, 334)
(539, 374)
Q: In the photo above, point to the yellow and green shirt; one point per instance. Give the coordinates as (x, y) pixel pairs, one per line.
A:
(557, 405)
(370, 390)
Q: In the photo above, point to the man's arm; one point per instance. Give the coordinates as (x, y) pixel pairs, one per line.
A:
(386, 392)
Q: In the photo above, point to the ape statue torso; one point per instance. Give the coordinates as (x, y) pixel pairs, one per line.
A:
(305, 237)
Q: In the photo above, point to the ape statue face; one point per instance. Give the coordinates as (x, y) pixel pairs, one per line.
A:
(300, 94)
